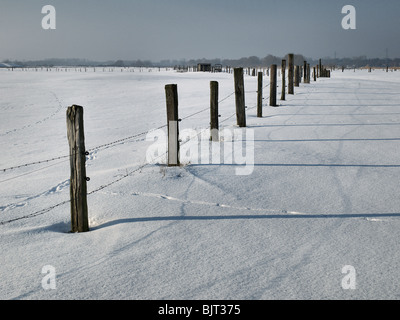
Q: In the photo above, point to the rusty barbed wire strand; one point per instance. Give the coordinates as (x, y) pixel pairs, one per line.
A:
(102, 187)
(102, 146)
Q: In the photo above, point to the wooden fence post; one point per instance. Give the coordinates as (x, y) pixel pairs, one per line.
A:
(305, 76)
(240, 99)
(171, 93)
(260, 95)
(297, 76)
(214, 114)
(315, 73)
(77, 158)
(283, 79)
(320, 68)
(291, 74)
(273, 80)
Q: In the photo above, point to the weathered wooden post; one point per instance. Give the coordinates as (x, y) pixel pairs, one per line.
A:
(291, 74)
(308, 73)
(171, 93)
(297, 76)
(305, 76)
(315, 73)
(320, 68)
(283, 80)
(240, 99)
(260, 95)
(273, 80)
(77, 158)
(214, 114)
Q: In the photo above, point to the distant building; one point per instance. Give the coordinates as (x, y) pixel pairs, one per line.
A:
(218, 68)
(204, 67)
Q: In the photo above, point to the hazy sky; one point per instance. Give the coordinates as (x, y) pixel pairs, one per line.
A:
(176, 29)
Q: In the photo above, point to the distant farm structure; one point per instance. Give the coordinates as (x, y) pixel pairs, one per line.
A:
(204, 67)
(218, 68)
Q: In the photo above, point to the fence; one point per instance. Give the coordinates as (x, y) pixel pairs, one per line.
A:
(76, 138)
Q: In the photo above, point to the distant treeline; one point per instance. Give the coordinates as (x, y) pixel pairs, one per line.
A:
(253, 61)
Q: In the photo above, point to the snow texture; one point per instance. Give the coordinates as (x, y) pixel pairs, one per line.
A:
(324, 192)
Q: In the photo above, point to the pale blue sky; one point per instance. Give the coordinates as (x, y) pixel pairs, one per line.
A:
(176, 29)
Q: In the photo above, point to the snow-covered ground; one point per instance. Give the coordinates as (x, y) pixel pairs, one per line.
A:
(324, 192)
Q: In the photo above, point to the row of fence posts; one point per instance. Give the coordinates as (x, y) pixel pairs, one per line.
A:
(76, 137)
(249, 71)
(294, 77)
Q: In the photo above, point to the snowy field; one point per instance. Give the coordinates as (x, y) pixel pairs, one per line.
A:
(324, 192)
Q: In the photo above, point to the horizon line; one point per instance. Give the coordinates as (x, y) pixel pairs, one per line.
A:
(361, 57)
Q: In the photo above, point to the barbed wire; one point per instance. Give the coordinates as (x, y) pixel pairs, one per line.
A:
(102, 146)
(208, 108)
(43, 211)
(123, 139)
(34, 163)
(106, 145)
(160, 156)
(30, 172)
(92, 149)
(102, 187)
(35, 214)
